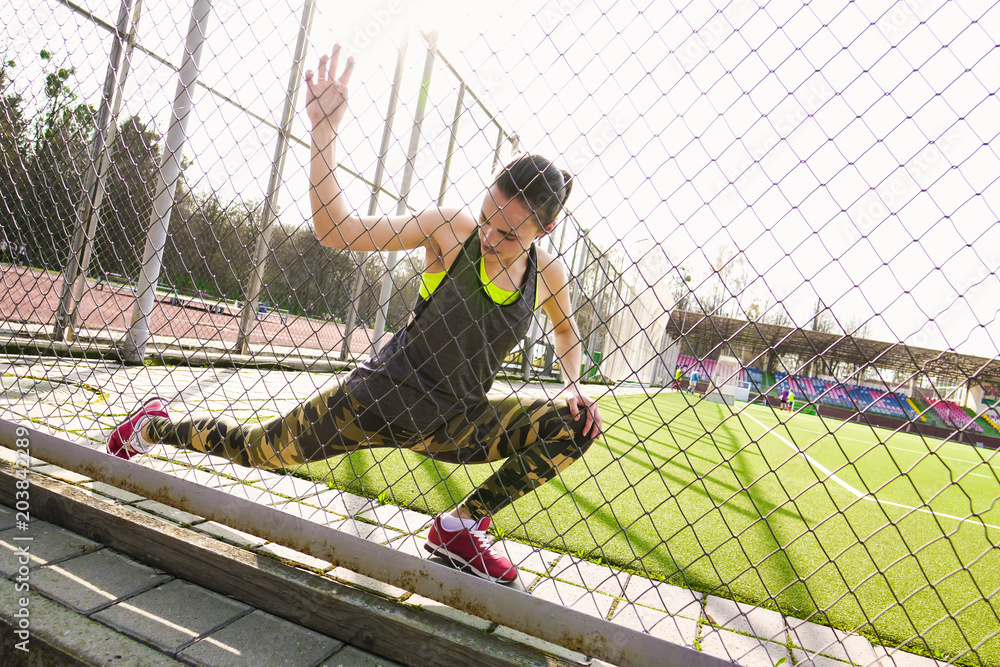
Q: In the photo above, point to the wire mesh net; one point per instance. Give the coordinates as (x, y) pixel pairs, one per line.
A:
(767, 277)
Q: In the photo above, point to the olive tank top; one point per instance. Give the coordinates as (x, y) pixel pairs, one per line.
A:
(444, 361)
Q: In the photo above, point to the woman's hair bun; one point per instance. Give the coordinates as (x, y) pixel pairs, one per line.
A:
(538, 183)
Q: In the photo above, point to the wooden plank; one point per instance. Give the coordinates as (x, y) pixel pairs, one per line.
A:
(403, 634)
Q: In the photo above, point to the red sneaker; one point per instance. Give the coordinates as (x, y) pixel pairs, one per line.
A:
(471, 548)
(124, 441)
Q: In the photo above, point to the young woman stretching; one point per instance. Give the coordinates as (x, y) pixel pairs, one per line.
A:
(426, 389)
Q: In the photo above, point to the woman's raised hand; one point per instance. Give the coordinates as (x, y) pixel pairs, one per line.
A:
(326, 98)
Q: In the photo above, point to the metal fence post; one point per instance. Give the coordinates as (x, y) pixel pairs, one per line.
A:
(359, 281)
(580, 251)
(452, 141)
(404, 192)
(249, 312)
(87, 217)
(499, 145)
(138, 333)
(600, 279)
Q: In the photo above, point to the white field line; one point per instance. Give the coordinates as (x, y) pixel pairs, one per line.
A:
(839, 436)
(897, 448)
(857, 493)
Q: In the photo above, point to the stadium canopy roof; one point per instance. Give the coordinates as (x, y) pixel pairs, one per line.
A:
(756, 337)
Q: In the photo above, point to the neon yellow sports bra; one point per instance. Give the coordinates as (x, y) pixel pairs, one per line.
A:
(430, 282)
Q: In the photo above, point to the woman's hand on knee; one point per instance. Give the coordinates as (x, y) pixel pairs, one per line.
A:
(583, 407)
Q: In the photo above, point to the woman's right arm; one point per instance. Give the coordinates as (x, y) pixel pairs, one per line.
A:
(337, 224)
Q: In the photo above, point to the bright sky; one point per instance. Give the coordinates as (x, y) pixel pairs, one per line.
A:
(845, 149)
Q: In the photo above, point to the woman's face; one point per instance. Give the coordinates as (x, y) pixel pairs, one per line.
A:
(507, 227)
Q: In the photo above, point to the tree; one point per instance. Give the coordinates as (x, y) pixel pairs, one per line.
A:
(857, 328)
(51, 187)
(305, 273)
(777, 315)
(128, 202)
(680, 288)
(13, 142)
(210, 243)
(823, 319)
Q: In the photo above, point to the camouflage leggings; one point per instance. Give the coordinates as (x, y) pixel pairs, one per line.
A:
(538, 438)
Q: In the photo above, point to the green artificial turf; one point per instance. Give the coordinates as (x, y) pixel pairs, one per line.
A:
(892, 535)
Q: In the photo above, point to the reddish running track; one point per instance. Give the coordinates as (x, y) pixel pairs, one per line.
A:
(32, 296)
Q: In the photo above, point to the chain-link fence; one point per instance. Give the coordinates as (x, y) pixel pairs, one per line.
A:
(775, 271)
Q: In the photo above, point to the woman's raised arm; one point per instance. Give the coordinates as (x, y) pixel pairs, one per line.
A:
(336, 223)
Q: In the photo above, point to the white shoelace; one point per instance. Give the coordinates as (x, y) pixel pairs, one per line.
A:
(485, 541)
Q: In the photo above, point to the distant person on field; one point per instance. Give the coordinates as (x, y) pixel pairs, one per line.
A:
(784, 399)
(791, 401)
(678, 376)
(693, 382)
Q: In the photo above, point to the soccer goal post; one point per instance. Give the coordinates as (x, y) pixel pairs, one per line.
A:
(725, 382)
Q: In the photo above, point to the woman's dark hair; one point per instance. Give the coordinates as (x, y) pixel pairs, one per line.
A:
(538, 183)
